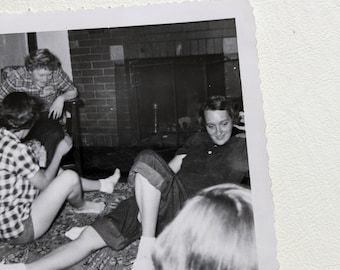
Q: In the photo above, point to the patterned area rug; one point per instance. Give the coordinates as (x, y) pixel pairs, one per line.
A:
(104, 259)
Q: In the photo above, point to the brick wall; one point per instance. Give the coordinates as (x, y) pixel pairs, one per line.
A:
(103, 81)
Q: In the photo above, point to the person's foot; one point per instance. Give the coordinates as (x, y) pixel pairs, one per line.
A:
(107, 185)
(143, 259)
(90, 208)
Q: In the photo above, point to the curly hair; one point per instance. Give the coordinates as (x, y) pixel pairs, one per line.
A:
(19, 111)
(214, 230)
(42, 59)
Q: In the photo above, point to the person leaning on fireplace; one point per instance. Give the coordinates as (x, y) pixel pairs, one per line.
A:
(42, 77)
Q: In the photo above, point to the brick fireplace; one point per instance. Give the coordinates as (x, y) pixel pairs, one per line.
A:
(106, 70)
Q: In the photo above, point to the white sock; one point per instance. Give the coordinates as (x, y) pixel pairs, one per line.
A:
(107, 185)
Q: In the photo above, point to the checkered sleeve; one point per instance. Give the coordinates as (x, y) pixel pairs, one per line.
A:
(16, 191)
(64, 82)
(8, 86)
(27, 164)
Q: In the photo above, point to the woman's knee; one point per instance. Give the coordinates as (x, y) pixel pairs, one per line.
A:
(145, 155)
(69, 178)
(91, 239)
(141, 180)
(144, 188)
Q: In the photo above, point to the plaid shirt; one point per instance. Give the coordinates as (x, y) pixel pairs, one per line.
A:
(20, 80)
(16, 191)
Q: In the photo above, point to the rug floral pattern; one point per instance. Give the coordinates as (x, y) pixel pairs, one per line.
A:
(104, 259)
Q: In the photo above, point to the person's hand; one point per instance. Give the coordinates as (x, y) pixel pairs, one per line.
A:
(56, 108)
(240, 125)
(64, 145)
(39, 152)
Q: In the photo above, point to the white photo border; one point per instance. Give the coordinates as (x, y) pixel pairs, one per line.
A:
(248, 61)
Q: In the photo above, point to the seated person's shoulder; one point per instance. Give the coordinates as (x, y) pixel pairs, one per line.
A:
(60, 73)
(195, 142)
(238, 138)
(237, 142)
(241, 135)
(200, 137)
(15, 72)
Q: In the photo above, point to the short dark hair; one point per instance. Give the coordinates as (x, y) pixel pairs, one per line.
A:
(42, 59)
(215, 103)
(19, 111)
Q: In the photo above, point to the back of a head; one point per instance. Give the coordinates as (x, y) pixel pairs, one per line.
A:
(214, 231)
(42, 59)
(18, 111)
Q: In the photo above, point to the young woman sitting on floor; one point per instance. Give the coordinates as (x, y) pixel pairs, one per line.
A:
(30, 198)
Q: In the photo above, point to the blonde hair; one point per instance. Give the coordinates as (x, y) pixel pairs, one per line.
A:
(42, 59)
(214, 231)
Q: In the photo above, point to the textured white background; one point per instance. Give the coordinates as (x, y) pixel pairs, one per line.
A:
(299, 52)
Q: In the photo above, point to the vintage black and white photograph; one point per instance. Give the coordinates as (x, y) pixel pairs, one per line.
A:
(133, 143)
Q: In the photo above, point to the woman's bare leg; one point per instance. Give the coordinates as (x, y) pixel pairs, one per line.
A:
(148, 199)
(66, 186)
(106, 185)
(67, 255)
